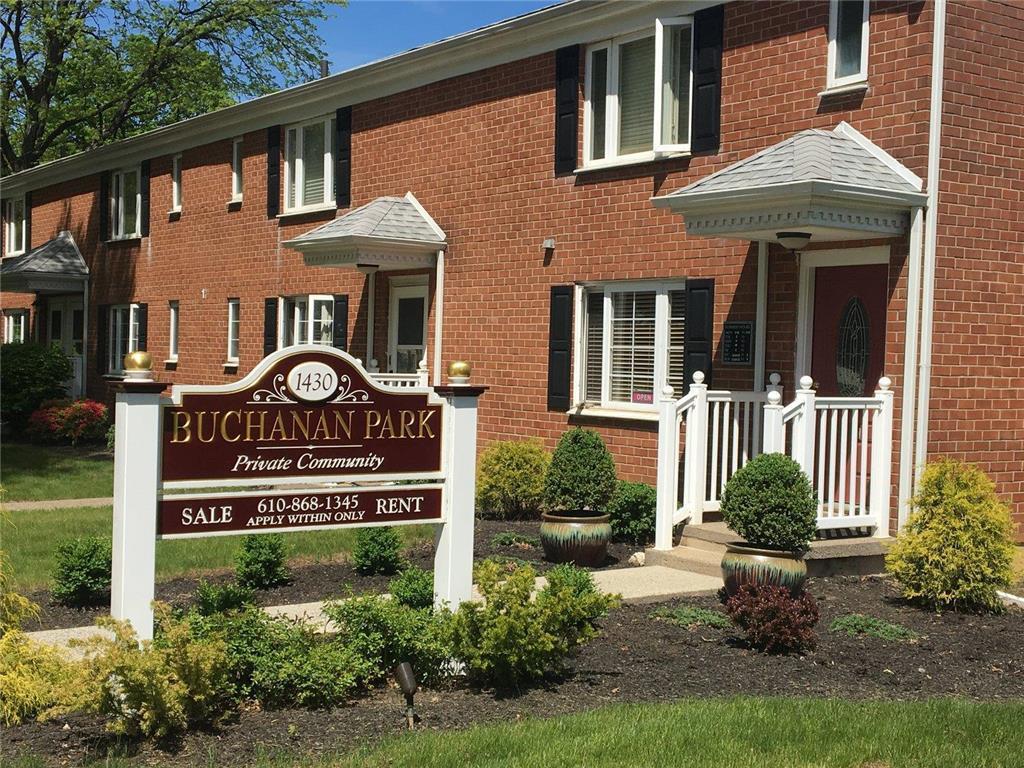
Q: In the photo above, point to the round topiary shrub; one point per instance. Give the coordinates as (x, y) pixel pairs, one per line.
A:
(632, 510)
(582, 473)
(956, 549)
(770, 503)
(81, 574)
(510, 479)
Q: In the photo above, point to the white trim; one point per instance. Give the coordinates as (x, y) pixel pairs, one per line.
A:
(426, 216)
(407, 287)
(10, 222)
(438, 312)
(809, 261)
(847, 130)
(296, 177)
(619, 414)
(173, 328)
(234, 323)
(840, 90)
(660, 27)
(831, 81)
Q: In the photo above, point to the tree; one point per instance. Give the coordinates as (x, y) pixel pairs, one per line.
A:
(77, 74)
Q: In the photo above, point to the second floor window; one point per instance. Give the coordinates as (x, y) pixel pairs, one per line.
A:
(172, 332)
(847, 43)
(637, 93)
(309, 164)
(176, 184)
(125, 204)
(14, 220)
(234, 324)
(236, 170)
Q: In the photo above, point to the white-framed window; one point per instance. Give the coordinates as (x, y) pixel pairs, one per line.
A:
(234, 324)
(125, 204)
(15, 326)
(14, 221)
(847, 43)
(637, 94)
(631, 343)
(309, 164)
(236, 170)
(176, 184)
(122, 335)
(172, 331)
(306, 320)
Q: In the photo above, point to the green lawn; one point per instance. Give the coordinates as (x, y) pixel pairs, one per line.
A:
(30, 536)
(39, 472)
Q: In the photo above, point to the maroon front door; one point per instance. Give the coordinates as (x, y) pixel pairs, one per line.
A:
(848, 346)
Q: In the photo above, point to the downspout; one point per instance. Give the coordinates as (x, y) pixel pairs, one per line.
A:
(931, 231)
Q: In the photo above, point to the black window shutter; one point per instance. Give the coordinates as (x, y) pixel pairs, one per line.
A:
(343, 162)
(102, 318)
(144, 197)
(341, 322)
(273, 171)
(28, 221)
(142, 315)
(567, 88)
(708, 25)
(104, 206)
(269, 325)
(560, 349)
(699, 334)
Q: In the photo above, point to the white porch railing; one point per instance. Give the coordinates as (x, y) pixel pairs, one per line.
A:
(402, 380)
(844, 444)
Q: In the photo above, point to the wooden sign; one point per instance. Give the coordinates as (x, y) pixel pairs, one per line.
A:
(183, 516)
(737, 340)
(305, 414)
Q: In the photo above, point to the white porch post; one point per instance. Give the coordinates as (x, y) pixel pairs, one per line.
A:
(772, 438)
(761, 316)
(881, 458)
(697, 445)
(371, 318)
(453, 558)
(668, 469)
(804, 431)
(438, 315)
(137, 431)
(85, 337)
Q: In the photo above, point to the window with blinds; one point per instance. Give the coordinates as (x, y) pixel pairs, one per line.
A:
(309, 164)
(633, 343)
(638, 92)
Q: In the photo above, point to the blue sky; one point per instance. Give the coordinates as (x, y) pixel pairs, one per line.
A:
(367, 30)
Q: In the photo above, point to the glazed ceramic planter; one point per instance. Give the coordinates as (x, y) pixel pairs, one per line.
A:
(579, 537)
(744, 564)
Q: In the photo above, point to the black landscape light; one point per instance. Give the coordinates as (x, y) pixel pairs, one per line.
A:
(407, 682)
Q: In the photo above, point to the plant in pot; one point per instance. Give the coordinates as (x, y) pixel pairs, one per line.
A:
(575, 528)
(770, 503)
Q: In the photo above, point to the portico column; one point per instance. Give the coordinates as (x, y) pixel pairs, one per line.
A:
(761, 316)
(371, 315)
(438, 316)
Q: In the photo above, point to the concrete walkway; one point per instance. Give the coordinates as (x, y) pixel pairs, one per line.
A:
(636, 585)
(22, 506)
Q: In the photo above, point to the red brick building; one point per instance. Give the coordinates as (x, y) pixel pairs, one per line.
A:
(538, 198)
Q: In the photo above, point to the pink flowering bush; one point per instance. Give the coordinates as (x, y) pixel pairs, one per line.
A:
(70, 421)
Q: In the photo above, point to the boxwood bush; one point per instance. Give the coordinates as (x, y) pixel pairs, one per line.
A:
(956, 549)
(770, 503)
(413, 587)
(261, 561)
(378, 550)
(582, 473)
(31, 374)
(510, 479)
(632, 511)
(81, 573)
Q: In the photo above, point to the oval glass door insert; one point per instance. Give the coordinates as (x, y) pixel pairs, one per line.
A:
(852, 349)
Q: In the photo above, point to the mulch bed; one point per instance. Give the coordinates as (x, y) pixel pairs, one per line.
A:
(637, 658)
(321, 581)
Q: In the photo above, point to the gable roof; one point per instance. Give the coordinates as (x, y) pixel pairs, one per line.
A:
(386, 218)
(56, 265)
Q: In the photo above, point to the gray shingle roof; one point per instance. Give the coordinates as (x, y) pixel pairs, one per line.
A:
(811, 155)
(59, 256)
(390, 218)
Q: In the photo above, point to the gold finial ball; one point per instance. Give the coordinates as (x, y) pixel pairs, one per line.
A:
(459, 369)
(138, 361)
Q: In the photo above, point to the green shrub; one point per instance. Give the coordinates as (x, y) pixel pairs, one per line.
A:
(159, 688)
(770, 503)
(774, 620)
(413, 587)
(854, 624)
(384, 633)
(956, 549)
(510, 638)
(111, 437)
(513, 539)
(281, 663)
(15, 609)
(82, 571)
(221, 598)
(261, 561)
(510, 479)
(689, 617)
(378, 550)
(632, 511)
(35, 679)
(582, 473)
(30, 375)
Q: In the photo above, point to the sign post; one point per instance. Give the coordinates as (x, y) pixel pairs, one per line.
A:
(306, 415)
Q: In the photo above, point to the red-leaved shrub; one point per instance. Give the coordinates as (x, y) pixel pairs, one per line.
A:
(773, 619)
(70, 421)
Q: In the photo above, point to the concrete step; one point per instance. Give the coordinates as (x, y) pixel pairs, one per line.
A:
(687, 559)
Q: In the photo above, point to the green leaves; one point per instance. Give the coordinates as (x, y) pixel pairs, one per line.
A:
(582, 473)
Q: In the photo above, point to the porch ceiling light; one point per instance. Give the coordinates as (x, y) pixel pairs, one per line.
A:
(793, 241)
